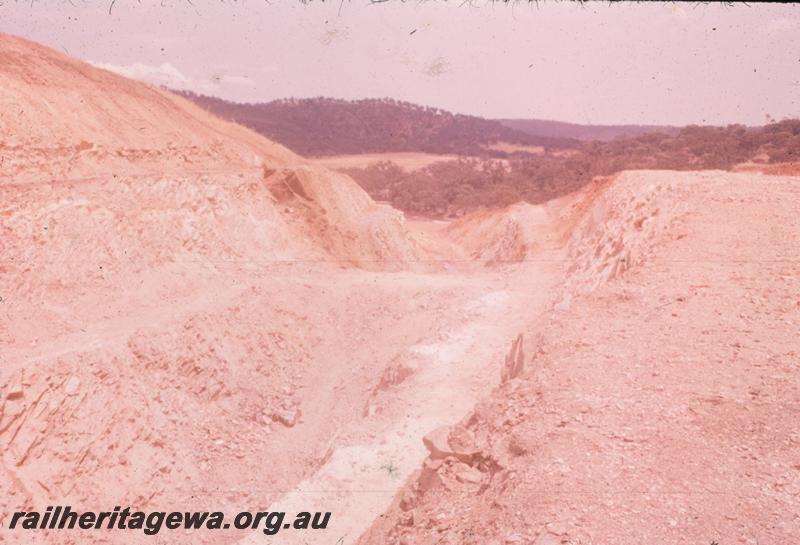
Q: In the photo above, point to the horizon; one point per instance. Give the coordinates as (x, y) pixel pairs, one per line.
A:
(735, 64)
(559, 121)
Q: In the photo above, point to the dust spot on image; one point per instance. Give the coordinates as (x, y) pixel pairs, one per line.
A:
(436, 67)
(334, 35)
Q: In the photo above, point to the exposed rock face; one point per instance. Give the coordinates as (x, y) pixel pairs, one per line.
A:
(514, 362)
(159, 177)
(622, 228)
(330, 210)
(455, 442)
(154, 328)
(504, 237)
(664, 395)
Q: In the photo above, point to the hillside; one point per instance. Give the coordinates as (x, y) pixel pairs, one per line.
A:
(560, 129)
(64, 122)
(156, 264)
(326, 126)
(655, 401)
(456, 187)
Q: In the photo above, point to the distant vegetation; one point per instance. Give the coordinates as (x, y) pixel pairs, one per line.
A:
(559, 129)
(453, 188)
(324, 126)
(487, 177)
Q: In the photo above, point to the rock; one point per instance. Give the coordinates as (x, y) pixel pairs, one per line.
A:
(468, 475)
(457, 442)
(498, 457)
(14, 389)
(429, 477)
(461, 440)
(563, 305)
(546, 538)
(287, 417)
(72, 385)
(557, 528)
(394, 375)
(515, 361)
(437, 443)
(15, 393)
(519, 445)
(408, 500)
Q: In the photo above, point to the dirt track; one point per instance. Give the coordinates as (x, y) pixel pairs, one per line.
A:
(433, 379)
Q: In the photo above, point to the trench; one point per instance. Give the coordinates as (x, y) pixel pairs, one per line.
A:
(455, 369)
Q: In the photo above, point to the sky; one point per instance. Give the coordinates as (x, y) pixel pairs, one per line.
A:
(594, 63)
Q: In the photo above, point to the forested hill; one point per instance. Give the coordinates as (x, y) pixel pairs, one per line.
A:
(560, 129)
(326, 126)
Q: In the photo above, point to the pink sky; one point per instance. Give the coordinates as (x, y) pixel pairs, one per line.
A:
(595, 63)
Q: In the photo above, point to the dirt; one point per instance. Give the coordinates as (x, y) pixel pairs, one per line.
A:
(406, 160)
(660, 400)
(197, 319)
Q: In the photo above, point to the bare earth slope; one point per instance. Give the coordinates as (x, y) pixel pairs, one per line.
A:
(70, 130)
(62, 117)
(660, 401)
(167, 284)
(511, 235)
